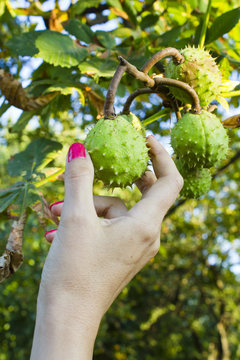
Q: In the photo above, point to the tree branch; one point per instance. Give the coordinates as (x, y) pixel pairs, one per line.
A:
(12, 257)
(109, 112)
(177, 57)
(162, 91)
(136, 93)
(160, 81)
(15, 94)
(183, 86)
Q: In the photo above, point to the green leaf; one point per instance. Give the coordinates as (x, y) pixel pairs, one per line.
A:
(169, 37)
(66, 90)
(27, 197)
(24, 44)
(26, 162)
(4, 107)
(58, 49)
(115, 4)
(23, 120)
(80, 30)
(98, 67)
(122, 32)
(105, 39)
(6, 200)
(156, 116)
(223, 24)
(131, 11)
(149, 20)
(2, 7)
(82, 5)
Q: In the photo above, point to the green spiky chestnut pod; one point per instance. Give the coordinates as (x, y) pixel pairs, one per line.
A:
(118, 151)
(200, 71)
(196, 182)
(136, 123)
(199, 140)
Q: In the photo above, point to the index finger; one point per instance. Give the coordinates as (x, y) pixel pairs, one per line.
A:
(162, 194)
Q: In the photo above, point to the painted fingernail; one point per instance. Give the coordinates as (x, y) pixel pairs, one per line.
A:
(76, 150)
(58, 202)
(48, 232)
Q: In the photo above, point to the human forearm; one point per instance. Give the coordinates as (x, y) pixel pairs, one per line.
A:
(65, 329)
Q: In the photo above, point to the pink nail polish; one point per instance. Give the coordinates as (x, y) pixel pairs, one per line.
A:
(48, 232)
(58, 202)
(76, 150)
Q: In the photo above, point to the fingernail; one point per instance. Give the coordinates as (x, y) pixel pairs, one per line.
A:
(76, 150)
(48, 232)
(58, 202)
(149, 136)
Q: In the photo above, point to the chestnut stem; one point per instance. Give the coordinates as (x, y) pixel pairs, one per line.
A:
(177, 57)
(211, 108)
(181, 85)
(132, 96)
(139, 75)
(109, 112)
(162, 91)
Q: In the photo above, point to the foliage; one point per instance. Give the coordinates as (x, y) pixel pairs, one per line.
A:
(184, 304)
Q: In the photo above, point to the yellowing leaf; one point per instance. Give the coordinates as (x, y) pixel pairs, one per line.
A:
(228, 85)
(223, 102)
(56, 19)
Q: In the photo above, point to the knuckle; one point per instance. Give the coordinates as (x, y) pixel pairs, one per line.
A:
(77, 172)
(149, 233)
(154, 248)
(179, 181)
(72, 218)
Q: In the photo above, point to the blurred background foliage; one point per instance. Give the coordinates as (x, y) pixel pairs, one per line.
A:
(185, 302)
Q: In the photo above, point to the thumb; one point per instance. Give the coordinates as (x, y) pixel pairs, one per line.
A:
(79, 173)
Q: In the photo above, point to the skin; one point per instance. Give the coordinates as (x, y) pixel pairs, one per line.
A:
(92, 259)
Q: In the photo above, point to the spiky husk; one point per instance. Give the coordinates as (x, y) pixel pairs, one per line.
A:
(196, 182)
(199, 140)
(136, 123)
(200, 71)
(118, 151)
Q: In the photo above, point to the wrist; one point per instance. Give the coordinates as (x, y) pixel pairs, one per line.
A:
(65, 328)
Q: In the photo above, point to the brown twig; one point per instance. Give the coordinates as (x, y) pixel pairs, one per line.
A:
(44, 213)
(109, 112)
(177, 57)
(12, 258)
(211, 108)
(152, 83)
(160, 81)
(162, 91)
(183, 86)
(126, 108)
(139, 75)
(13, 91)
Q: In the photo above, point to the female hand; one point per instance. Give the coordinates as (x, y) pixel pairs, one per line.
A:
(91, 259)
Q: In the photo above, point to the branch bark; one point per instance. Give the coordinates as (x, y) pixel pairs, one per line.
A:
(157, 81)
(181, 85)
(12, 258)
(136, 93)
(13, 91)
(109, 112)
(177, 57)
